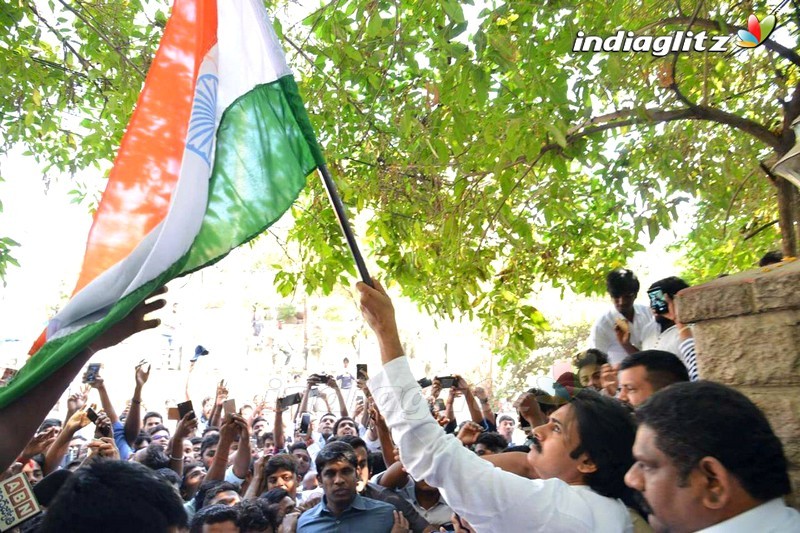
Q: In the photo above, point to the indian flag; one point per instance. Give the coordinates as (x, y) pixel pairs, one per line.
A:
(218, 148)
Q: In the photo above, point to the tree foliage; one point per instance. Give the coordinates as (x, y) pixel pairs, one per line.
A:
(483, 154)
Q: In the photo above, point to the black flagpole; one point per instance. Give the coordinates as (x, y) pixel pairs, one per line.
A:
(341, 216)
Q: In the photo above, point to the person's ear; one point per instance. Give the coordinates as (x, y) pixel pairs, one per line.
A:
(586, 465)
(716, 483)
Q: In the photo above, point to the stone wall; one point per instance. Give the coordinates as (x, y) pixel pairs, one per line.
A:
(747, 335)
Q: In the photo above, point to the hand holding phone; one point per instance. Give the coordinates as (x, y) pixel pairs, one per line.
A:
(361, 372)
(229, 407)
(305, 422)
(288, 401)
(184, 408)
(92, 371)
(657, 301)
(447, 381)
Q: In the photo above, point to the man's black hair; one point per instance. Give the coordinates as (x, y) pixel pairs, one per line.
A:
(607, 431)
(209, 429)
(170, 476)
(196, 440)
(213, 491)
(503, 418)
(256, 420)
(155, 457)
(204, 487)
(275, 495)
(352, 440)
(155, 429)
(494, 441)
(377, 464)
(663, 368)
(143, 436)
(340, 420)
(621, 281)
(671, 285)
(770, 258)
(150, 414)
(335, 451)
(186, 469)
(282, 461)
(47, 489)
(328, 414)
(213, 514)
(48, 423)
(262, 439)
(257, 515)
(119, 496)
(705, 419)
(299, 445)
(208, 441)
(592, 356)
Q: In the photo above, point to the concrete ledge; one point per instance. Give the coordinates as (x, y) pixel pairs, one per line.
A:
(757, 349)
(755, 291)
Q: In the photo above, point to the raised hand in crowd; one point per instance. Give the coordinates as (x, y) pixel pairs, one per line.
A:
(99, 385)
(103, 447)
(55, 454)
(220, 396)
(608, 379)
(436, 389)
(469, 433)
(39, 443)
(133, 422)
(333, 384)
(77, 400)
(102, 426)
(529, 409)
(472, 404)
(183, 430)
(258, 478)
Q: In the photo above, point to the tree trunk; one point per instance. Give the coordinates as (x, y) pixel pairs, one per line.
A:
(797, 216)
(788, 215)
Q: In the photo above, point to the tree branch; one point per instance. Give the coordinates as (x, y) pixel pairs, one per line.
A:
(759, 230)
(124, 57)
(751, 127)
(769, 44)
(84, 62)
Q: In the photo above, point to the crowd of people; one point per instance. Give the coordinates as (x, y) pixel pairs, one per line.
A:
(632, 440)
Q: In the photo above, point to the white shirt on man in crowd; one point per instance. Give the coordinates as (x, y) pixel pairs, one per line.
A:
(489, 498)
(604, 338)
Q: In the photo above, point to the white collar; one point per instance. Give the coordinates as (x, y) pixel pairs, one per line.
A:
(752, 520)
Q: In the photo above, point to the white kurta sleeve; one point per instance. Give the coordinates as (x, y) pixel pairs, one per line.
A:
(488, 497)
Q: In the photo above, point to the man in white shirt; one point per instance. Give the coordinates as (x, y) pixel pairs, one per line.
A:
(708, 460)
(580, 462)
(620, 331)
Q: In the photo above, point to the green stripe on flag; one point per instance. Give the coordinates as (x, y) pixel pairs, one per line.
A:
(265, 149)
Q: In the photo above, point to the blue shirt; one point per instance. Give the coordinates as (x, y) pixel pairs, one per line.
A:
(363, 515)
(119, 439)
